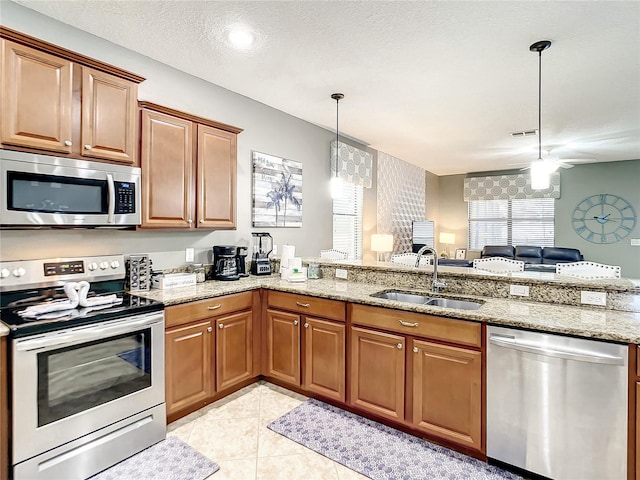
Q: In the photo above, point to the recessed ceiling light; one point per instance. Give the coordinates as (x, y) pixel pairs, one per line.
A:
(241, 37)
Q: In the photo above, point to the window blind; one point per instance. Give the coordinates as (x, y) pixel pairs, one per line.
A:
(347, 221)
(423, 232)
(511, 222)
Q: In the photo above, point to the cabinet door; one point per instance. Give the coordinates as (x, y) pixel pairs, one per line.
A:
(216, 178)
(447, 392)
(167, 171)
(109, 126)
(36, 99)
(234, 349)
(377, 372)
(188, 365)
(324, 358)
(283, 346)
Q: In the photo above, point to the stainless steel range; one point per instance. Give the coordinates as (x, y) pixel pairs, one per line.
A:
(87, 367)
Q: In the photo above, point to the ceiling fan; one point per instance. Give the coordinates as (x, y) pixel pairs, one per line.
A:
(554, 162)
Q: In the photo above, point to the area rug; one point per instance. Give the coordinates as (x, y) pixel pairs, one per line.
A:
(171, 459)
(376, 450)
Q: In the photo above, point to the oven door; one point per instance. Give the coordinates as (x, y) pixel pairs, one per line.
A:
(69, 383)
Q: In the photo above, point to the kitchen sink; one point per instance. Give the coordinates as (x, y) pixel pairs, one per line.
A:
(408, 297)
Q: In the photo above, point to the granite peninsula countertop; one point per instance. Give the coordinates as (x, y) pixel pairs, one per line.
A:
(589, 322)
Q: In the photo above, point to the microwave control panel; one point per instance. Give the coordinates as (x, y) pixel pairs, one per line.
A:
(125, 197)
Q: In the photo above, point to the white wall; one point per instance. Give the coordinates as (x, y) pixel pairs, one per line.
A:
(265, 129)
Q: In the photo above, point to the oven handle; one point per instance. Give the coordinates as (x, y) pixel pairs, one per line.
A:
(94, 332)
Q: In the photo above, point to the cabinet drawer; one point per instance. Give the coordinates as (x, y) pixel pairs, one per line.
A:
(190, 312)
(421, 325)
(320, 307)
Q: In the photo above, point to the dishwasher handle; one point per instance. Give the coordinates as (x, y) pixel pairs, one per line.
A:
(540, 349)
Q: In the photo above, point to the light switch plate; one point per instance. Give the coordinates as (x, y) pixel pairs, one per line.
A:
(341, 273)
(275, 249)
(189, 255)
(593, 298)
(519, 290)
(635, 242)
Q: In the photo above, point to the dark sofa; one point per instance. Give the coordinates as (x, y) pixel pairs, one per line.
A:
(533, 255)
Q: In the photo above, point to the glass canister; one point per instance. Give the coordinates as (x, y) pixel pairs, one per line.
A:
(314, 271)
(198, 269)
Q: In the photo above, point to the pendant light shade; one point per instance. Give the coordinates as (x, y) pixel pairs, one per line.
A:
(540, 171)
(335, 184)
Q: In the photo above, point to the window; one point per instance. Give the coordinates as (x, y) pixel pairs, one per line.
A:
(515, 222)
(347, 221)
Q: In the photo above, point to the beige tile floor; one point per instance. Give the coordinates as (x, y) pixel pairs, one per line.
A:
(233, 433)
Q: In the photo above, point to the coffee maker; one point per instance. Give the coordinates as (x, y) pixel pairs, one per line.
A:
(225, 263)
(262, 247)
(241, 261)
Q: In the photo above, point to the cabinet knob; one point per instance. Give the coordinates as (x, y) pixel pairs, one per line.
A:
(295, 322)
(189, 221)
(399, 346)
(209, 329)
(415, 349)
(221, 326)
(87, 147)
(201, 220)
(306, 325)
(68, 143)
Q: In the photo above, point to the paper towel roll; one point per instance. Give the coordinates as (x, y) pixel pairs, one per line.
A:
(288, 252)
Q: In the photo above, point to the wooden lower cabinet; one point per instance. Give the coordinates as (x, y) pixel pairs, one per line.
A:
(188, 362)
(377, 374)
(447, 392)
(283, 346)
(324, 358)
(234, 349)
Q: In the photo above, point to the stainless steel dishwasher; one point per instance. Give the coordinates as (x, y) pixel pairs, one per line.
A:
(557, 406)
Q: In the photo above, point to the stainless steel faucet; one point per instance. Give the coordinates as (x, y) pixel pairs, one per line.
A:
(435, 285)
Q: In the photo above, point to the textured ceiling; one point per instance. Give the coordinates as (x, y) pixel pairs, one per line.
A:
(439, 84)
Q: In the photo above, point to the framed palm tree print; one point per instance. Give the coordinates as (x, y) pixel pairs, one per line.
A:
(277, 191)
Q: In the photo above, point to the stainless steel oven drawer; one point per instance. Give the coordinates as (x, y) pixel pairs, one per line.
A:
(97, 451)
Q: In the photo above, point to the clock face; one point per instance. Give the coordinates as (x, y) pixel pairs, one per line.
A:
(604, 218)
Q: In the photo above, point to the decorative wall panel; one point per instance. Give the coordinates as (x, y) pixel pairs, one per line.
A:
(506, 187)
(355, 165)
(401, 199)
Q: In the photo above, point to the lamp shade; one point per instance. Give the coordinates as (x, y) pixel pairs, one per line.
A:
(448, 238)
(540, 175)
(382, 242)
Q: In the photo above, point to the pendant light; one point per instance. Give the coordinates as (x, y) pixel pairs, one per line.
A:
(335, 184)
(540, 170)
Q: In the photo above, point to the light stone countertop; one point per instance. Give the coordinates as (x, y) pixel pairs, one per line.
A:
(589, 322)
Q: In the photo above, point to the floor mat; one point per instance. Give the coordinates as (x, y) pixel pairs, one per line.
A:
(171, 459)
(376, 450)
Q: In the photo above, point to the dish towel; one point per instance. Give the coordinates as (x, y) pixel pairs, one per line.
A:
(76, 295)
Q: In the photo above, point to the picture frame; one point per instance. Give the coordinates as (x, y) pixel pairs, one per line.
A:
(277, 191)
(461, 253)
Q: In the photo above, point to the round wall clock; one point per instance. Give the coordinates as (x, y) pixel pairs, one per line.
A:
(604, 218)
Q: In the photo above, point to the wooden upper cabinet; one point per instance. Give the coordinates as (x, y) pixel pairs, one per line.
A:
(191, 163)
(216, 174)
(447, 392)
(58, 101)
(36, 99)
(109, 123)
(167, 171)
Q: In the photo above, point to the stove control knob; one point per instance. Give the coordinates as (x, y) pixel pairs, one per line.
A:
(4, 273)
(104, 265)
(18, 272)
(92, 266)
(115, 264)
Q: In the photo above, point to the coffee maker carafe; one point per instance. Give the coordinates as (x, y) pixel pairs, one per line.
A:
(225, 263)
(262, 247)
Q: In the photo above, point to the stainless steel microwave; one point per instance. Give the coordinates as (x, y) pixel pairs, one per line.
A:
(47, 191)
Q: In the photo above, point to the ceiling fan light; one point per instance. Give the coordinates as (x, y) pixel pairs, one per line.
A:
(540, 175)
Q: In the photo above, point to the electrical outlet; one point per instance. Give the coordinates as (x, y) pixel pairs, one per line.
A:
(635, 242)
(275, 249)
(189, 255)
(519, 290)
(593, 298)
(341, 273)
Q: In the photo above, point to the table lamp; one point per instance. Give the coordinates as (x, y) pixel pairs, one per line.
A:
(381, 243)
(447, 239)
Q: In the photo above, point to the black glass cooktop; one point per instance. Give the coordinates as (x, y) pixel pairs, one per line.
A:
(15, 302)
